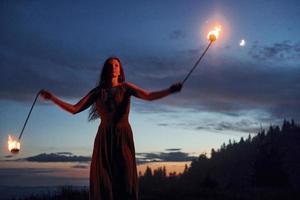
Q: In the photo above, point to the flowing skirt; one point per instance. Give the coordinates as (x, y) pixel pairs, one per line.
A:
(113, 173)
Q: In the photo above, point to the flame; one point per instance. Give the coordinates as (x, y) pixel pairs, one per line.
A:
(13, 145)
(214, 34)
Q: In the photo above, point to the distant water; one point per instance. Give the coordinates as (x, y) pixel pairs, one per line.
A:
(23, 178)
(9, 192)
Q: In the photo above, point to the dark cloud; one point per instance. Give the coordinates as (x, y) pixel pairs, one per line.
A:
(245, 126)
(226, 86)
(37, 51)
(64, 153)
(285, 50)
(173, 149)
(150, 107)
(23, 76)
(233, 86)
(221, 84)
(40, 55)
(54, 157)
(241, 125)
(169, 156)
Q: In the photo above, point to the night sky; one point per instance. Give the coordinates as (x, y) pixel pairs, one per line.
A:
(61, 46)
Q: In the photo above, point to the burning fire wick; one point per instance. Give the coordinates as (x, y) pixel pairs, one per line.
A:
(212, 36)
(15, 145)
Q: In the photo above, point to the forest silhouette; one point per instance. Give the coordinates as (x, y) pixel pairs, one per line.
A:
(266, 166)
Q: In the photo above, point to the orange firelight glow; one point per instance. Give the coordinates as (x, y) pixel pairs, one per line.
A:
(214, 34)
(13, 145)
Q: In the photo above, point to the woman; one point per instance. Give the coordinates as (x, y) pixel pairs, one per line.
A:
(113, 173)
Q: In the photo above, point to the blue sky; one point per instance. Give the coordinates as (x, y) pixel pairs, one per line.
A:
(61, 47)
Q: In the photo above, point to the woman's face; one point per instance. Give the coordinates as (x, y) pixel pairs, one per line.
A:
(115, 68)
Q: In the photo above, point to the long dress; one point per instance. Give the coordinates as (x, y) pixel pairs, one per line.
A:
(113, 173)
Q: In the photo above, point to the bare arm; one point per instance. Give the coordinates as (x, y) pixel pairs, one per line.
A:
(150, 96)
(81, 105)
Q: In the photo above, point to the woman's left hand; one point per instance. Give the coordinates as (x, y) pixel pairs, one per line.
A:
(176, 87)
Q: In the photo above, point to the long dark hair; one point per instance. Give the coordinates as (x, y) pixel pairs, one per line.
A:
(105, 82)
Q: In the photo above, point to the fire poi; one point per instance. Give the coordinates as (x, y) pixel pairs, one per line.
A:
(14, 145)
(211, 36)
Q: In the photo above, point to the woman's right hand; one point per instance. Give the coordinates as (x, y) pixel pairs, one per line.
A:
(46, 94)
